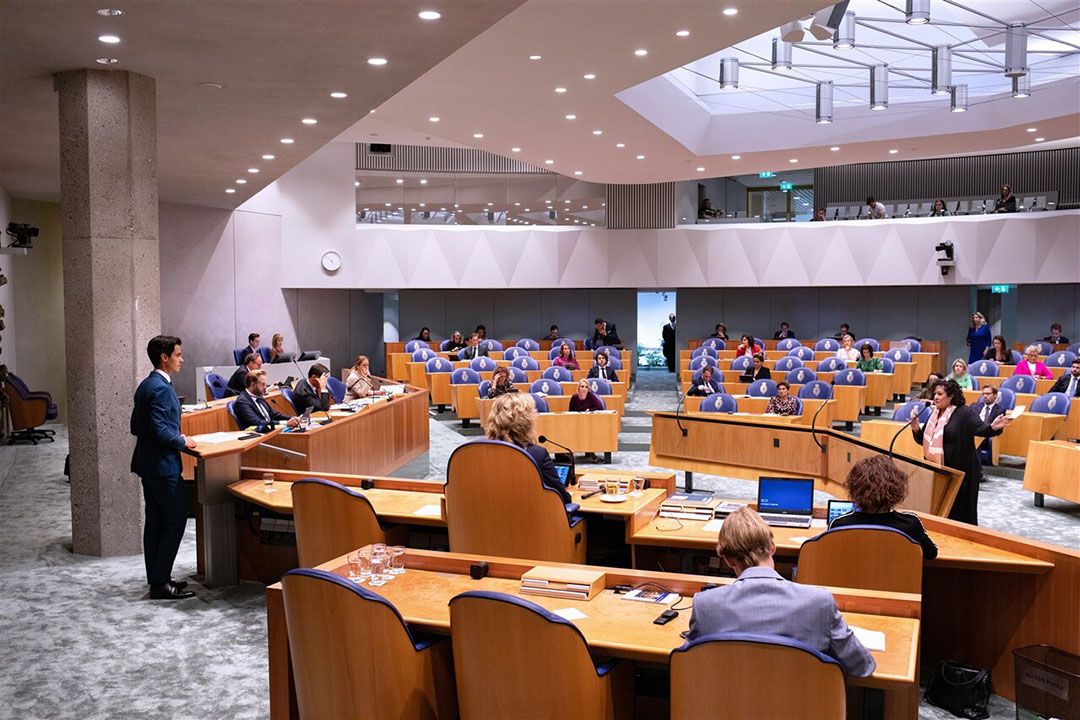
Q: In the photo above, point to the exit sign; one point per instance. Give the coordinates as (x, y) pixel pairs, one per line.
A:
(999, 289)
(786, 186)
(766, 175)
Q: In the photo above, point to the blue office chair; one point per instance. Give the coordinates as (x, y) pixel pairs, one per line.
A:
(465, 376)
(761, 388)
(850, 376)
(1019, 383)
(515, 351)
(1045, 348)
(1075, 348)
(827, 345)
(599, 386)
(802, 352)
(898, 355)
(588, 343)
(1054, 402)
(483, 388)
(983, 368)
(525, 363)
(517, 375)
(742, 363)
(974, 382)
(914, 344)
(528, 344)
(561, 341)
(231, 409)
(714, 343)
(1062, 359)
(287, 393)
(483, 364)
(614, 362)
(816, 390)
(832, 364)
(702, 361)
(336, 388)
(798, 405)
(801, 376)
(1007, 399)
(439, 365)
(787, 363)
(719, 402)
(264, 352)
(238, 355)
(444, 346)
(491, 345)
(422, 354)
(788, 344)
(555, 350)
(217, 384)
(903, 413)
(874, 344)
(546, 386)
(558, 374)
(540, 401)
(704, 350)
(887, 365)
(1017, 356)
(413, 345)
(613, 352)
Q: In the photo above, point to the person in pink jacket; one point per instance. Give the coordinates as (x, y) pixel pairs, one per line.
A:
(1030, 365)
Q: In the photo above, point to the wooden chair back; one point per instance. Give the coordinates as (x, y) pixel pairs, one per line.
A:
(514, 659)
(353, 656)
(867, 557)
(496, 504)
(331, 521)
(752, 677)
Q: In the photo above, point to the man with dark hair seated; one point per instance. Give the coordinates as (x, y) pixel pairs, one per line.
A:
(252, 361)
(251, 408)
(311, 392)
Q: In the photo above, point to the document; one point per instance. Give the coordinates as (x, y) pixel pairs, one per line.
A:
(871, 639)
(819, 523)
(216, 438)
(1018, 411)
(570, 614)
(429, 511)
(713, 525)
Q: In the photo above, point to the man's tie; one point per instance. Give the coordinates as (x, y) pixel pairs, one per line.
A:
(1072, 387)
(262, 411)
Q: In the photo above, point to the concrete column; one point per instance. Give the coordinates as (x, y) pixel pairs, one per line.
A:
(112, 292)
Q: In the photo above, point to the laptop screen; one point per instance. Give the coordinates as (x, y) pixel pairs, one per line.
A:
(564, 473)
(840, 507)
(792, 496)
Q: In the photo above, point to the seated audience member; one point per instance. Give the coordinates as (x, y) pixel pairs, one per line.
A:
(988, 408)
(747, 346)
(1055, 337)
(960, 374)
(867, 362)
(238, 381)
(500, 383)
(311, 392)
(877, 486)
(875, 210)
(603, 334)
(927, 393)
(456, 343)
(757, 371)
(254, 339)
(705, 385)
(939, 209)
(847, 351)
(585, 400)
(1031, 365)
(360, 383)
(424, 335)
(1069, 383)
(999, 351)
(1007, 202)
(706, 210)
(784, 332)
(553, 333)
(601, 369)
(481, 332)
(819, 215)
(760, 601)
(277, 348)
(251, 408)
(473, 350)
(844, 330)
(782, 403)
(566, 358)
(720, 332)
(513, 420)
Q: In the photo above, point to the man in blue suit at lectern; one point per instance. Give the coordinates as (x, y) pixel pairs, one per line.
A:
(155, 423)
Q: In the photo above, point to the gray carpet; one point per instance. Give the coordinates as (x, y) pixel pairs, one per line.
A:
(79, 639)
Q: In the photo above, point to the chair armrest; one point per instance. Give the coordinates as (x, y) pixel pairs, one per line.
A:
(575, 519)
(422, 639)
(572, 508)
(603, 667)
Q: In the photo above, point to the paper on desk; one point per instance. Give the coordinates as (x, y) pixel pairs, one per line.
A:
(713, 525)
(215, 438)
(799, 540)
(819, 523)
(429, 511)
(1018, 411)
(570, 613)
(871, 639)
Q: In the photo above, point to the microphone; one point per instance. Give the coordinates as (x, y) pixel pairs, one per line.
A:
(926, 404)
(328, 418)
(573, 466)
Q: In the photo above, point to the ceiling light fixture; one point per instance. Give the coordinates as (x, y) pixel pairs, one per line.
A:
(917, 12)
(941, 70)
(535, 57)
(377, 61)
(423, 181)
(110, 12)
(844, 37)
(515, 149)
(356, 183)
(338, 95)
(823, 112)
(641, 52)
(736, 157)
(230, 190)
(478, 136)
(893, 151)
(268, 157)
(287, 141)
(309, 121)
(434, 118)
(571, 117)
(253, 171)
(682, 33)
(958, 99)
(701, 169)
(429, 15)
(792, 32)
(793, 160)
(560, 90)
(1021, 86)
(731, 11)
(835, 148)
(879, 87)
(578, 172)
(241, 181)
(729, 73)
(400, 181)
(106, 61)
(597, 132)
(640, 157)
(1032, 129)
(108, 39)
(1016, 37)
(589, 76)
(781, 55)
(620, 145)
(1039, 139)
(549, 162)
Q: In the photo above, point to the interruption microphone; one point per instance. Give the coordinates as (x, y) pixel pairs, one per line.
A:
(678, 417)
(573, 466)
(926, 404)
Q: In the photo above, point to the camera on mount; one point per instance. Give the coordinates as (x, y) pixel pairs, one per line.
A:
(21, 234)
(948, 261)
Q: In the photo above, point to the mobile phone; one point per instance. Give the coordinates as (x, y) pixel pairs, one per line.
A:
(665, 617)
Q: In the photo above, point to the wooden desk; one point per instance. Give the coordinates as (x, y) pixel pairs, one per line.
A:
(213, 417)
(880, 432)
(555, 403)
(612, 626)
(743, 446)
(1053, 468)
(581, 432)
(1042, 386)
(756, 406)
(1029, 427)
(1070, 429)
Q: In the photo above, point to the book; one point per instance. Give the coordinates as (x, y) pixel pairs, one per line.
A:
(574, 583)
(690, 499)
(653, 596)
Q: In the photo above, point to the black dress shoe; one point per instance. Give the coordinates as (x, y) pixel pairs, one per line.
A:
(168, 591)
(178, 584)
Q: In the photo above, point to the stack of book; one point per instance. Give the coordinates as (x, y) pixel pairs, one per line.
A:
(689, 506)
(572, 583)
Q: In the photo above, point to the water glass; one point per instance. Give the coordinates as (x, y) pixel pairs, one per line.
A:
(397, 560)
(638, 485)
(379, 573)
(365, 564)
(268, 483)
(611, 487)
(354, 566)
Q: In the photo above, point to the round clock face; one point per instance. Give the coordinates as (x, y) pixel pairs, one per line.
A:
(331, 261)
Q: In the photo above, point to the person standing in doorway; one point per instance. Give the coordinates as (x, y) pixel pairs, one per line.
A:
(668, 343)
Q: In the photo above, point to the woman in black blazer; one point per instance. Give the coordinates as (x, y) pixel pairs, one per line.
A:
(953, 444)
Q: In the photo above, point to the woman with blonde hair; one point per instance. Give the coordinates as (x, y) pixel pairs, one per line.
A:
(960, 374)
(978, 337)
(847, 351)
(359, 383)
(513, 420)
(277, 347)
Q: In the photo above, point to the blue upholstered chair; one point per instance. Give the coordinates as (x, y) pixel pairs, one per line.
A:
(528, 344)
(546, 386)
(336, 388)
(974, 382)
(1075, 348)
(887, 365)
(1045, 348)
(561, 341)
(1054, 402)
(614, 362)
(1007, 399)
(217, 386)
(238, 355)
(514, 351)
(465, 376)
(903, 413)
(555, 350)
(264, 352)
(600, 386)
(517, 375)
(827, 345)
(801, 376)
(413, 345)
(898, 355)
(1019, 383)
(558, 374)
(230, 407)
(483, 388)
(525, 364)
(704, 350)
(789, 362)
(816, 390)
(444, 346)
(491, 346)
(613, 352)
(1016, 357)
(832, 364)
(802, 352)
(743, 363)
(483, 364)
(984, 368)
(439, 365)
(788, 344)
(702, 361)
(422, 354)
(715, 343)
(761, 388)
(914, 344)
(874, 344)
(540, 401)
(1061, 359)
(719, 402)
(290, 398)
(850, 376)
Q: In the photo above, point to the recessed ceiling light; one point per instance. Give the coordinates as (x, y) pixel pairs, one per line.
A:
(701, 169)
(309, 121)
(241, 181)
(423, 182)
(549, 162)
(110, 12)
(515, 149)
(1032, 129)
(377, 61)
(433, 118)
(682, 33)
(268, 157)
(287, 141)
(793, 160)
(387, 204)
(835, 148)
(578, 172)
(736, 157)
(429, 15)
(597, 132)
(641, 52)
(356, 183)
(620, 145)
(560, 90)
(337, 95)
(108, 39)
(1039, 139)
(893, 151)
(640, 157)
(230, 190)
(253, 171)
(535, 57)
(731, 11)
(589, 76)
(210, 85)
(571, 117)
(400, 181)
(478, 136)
(106, 61)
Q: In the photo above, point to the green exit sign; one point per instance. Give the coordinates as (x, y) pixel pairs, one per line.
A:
(999, 289)
(786, 186)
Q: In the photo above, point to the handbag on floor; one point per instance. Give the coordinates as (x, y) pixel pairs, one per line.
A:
(961, 689)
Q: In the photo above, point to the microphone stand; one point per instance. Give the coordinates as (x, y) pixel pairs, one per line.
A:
(813, 426)
(901, 430)
(573, 466)
(678, 418)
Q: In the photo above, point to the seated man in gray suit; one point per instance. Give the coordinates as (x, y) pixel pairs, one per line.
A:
(762, 602)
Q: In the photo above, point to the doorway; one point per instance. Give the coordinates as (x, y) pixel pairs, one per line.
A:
(653, 309)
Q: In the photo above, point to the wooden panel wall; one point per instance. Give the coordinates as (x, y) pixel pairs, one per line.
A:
(649, 206)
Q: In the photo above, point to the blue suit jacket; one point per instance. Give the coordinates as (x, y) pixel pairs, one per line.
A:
(155, 423)
(760, 601)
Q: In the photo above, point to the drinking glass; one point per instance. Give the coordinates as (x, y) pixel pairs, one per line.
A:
(611, 487)
(365, 563)
(378, 547)
(354, 567)
(397, 560)
(268, 483)
(379, 574)
(638, 485)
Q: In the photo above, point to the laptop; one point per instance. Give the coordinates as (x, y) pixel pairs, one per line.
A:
(563, 472)
(840, 507)
(786, 502)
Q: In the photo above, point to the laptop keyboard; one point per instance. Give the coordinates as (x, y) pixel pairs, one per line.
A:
(786, 520)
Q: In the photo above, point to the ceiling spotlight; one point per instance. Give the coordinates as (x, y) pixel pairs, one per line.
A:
(478, 136)
(356, 183)
(918, 12)
(641, 52)
(309, 121)
(701, 169)
(253, 171)
(287, 141)
(1015, 50)
(731, 11)
(400, 181)
(893, 151)
(879, 87)
(793, 160)
(736, 157)
(515, 149)
(682, 33)
(106, 61)
(844, 37)
(560, 90)
(230, 190)
(640, 157)
(549, 162)
(792, 32)
(823, 113)
(835, 148)
(241, 181)
(958, 100)
(535, 57)
(423, 181)
(589, 76)
(1039, 139)
(571, 117)
(729, 73)
(268, 157)
(110, 12)
(620, 145)
(1021, 86)
(941, 70)
(578, 172)
(781, 55)
(429, 15)
(824, 23)
(337, 95)
(377, 61)
(1032, 129)
(434, 118)
(108, 39)
(597, 132)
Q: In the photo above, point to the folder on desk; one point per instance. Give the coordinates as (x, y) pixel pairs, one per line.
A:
(570, 583)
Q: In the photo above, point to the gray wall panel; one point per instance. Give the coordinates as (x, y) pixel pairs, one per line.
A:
(1040, 305)
(322, 323)
(796, 306)
(366, 328)
(515, 314)
(564, 308)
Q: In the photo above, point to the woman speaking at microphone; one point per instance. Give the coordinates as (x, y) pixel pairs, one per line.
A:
(948, 438)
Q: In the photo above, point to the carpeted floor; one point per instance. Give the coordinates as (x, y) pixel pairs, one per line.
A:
(78, 639)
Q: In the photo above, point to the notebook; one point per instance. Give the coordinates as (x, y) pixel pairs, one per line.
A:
(786, 502)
